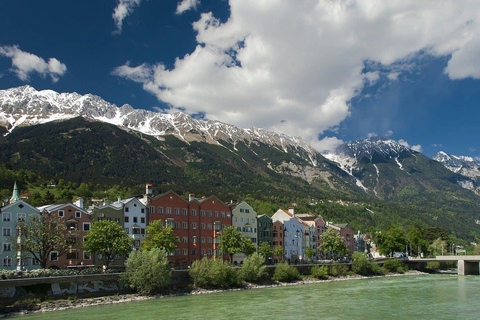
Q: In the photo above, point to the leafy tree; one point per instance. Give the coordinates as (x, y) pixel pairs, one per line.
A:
(439, 246)
(41, 235)
(248, 247)
(391, 240)
(147, 271)
(278, 252)
(283, 272)
(208, 273)
(265, 250)
(418, 243)
(310, 252)
(333, 244)
(108, 239)
(231, 241)
(160, 236)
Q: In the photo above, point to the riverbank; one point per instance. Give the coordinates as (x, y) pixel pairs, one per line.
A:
(58, 305)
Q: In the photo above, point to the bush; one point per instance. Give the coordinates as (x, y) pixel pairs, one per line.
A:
(147, 271)
(338, 270)
(285, 273)
(394, 265)
(253, 269)
(319, 272)
(433, 265)
(361, 265)
(209, 273)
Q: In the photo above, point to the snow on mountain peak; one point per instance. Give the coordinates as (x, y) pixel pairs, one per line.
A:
(27, 106)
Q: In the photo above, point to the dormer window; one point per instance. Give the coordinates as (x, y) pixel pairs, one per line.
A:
(61, 213)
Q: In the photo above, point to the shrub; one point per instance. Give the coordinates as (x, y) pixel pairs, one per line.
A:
(338, 270)
(433, 265)
(209, 273)
(394, 265)
(361, 265)
(319, 272)
(285, 273)
(147, 271)
(253, 269)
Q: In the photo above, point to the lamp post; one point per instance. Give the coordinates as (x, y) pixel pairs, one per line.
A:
(19, 249)
(451, 251)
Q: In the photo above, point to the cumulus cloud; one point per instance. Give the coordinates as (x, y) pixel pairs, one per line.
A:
(327, 144)
(186, 5)
(416, 147)
(293, 66)
(121, 11)
(24, 64)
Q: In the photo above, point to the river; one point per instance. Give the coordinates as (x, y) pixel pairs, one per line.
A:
(402, 297)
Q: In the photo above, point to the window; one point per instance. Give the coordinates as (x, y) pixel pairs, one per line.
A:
(209, 226)
(216, 214)
(185, 239)
(247, 220)
(72, 255)
(202, 252)
(142, 231)
(222, 214)
(136, 230)
(127, 220)
(7, 232)
(194, 212)
(86, 226)
(176, 252)
(184, 212)
(209, 240)
(7, 262)
(127, 231)
(135, 219)
(169, 210)
(61, 213)
(236, 219)
(136, 243)
(185, 252)
(241, 210)
(151, 209)
(7, 217)
(7, 247)
(209, 252)
(259, 224)
(184, 225)
(202, 213)
(142, 210)
(21, 217)
(160, 210)
(117, 220)
(194, 225)
(202, 240)
(176, 225)
(202, 226)
(78, 214)
(253, 220)
(241, 219)
(194, 252)
(35, 262)
(176, 211)
(247, 210)
(127, 209)
(209, 213)
(53, 256)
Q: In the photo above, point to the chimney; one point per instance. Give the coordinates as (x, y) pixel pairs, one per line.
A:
(291, 210)
(118, 199)
(191, 197)
(148, 189)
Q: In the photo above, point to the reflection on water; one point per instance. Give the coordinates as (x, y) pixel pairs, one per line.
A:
(404, 297)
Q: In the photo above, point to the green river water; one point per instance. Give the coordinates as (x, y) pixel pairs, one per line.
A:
(402, 297)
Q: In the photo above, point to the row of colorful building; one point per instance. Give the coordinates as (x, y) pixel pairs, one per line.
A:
(197, 222)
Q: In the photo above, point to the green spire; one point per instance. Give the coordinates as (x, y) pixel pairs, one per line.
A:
(15, 195)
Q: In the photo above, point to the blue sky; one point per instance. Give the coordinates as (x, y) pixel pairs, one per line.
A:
(329, 71)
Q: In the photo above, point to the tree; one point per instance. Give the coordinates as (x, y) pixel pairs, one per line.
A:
(265, 250)
(248, 247)
(108, 239)
(310, 252)
(278, 252)
(231, 241)
(439, 246)
(41, 235)
(415, 238)
(147, 270)
(391, 240)
(160, 236)
(333, 244)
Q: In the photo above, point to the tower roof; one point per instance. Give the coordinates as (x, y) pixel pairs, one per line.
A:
(15, 194)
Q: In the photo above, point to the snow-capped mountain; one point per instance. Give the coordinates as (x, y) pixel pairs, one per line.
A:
(465, 166)
(24, 106)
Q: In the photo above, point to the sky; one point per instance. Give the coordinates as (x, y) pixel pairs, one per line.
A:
(328, 71)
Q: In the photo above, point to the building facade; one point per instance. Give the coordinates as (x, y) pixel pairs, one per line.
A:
(244, 219)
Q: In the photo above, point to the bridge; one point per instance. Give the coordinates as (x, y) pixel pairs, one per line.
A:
(467, 265)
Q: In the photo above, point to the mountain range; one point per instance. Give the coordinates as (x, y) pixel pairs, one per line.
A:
(83, 138)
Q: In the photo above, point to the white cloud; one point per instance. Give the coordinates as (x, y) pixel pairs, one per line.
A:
(25, 63)
(121, 11)
(416, 147)
(326, 144)
(186, 5)
(293, 66)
